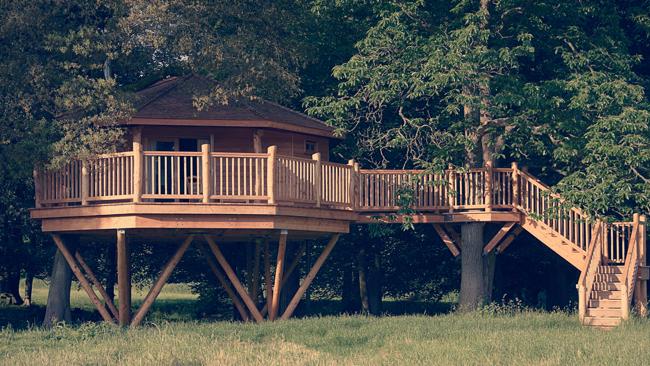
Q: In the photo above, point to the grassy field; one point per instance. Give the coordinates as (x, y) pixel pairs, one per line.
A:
(493, 336)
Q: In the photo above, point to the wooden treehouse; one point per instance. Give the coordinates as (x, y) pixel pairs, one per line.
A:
(258, 172)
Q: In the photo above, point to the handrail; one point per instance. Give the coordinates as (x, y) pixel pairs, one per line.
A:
(588, 274)
(630, 269)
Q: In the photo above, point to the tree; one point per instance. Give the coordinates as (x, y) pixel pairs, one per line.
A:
(476, 82)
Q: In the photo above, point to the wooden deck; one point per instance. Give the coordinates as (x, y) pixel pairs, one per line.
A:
(245, 194)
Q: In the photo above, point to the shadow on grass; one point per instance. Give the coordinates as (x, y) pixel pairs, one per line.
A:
(178, 310)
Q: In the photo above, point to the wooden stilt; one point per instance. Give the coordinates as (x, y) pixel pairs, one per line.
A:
(97, 284)
(508, 240)
(287, 273)
(234, 280)
(160, 282)
(496, 239)
(279, 268)
(82, 279)
(453, 248)
(267, 274)
(310, 277)
(226, 286)
(123, 279)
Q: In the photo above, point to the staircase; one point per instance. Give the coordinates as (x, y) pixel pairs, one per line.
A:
(604, 308)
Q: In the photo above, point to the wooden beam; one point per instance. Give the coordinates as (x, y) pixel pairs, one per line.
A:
(123, 279)
(82, 279)
(453, 248)
(288, 272)
(498, 237)
(279, 268)
(509, 239)
(226, 286)
(98, 285)
(310, 277)
(233, 279)
(160, 282)
(455, 236)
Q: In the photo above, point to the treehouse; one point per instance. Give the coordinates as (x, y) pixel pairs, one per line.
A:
(256, 172)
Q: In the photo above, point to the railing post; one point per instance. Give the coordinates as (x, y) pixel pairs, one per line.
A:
(38, 193)
(270, 173)
(85, 183)
(137, 171)
(642, 292)
(625, 300)
(353, 183)
(515, 186)
(451, 184)
(488, 186)
(357, 187)
(205, 172)
(582, 302)
(317, 178)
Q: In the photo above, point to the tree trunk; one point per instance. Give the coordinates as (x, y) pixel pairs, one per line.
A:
(58, 297)
(363, 280)
(29, 282)
(375, 292)
(472, 283)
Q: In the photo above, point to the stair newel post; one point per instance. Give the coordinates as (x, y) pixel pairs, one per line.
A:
(582, 302)
(357, 187)
(85, 183)
(488, 186)
(205, 172)
(270, 173)
(317, 178)
(641, 284)
(137, 171)
(353, 183)
(515, 186)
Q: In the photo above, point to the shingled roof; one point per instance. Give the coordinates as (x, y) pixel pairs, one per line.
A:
(169, 102)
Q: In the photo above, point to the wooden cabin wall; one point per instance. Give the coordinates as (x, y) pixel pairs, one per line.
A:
(237, 139)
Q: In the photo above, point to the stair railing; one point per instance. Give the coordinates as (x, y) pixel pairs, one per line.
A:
(588, 275)
(630, 270)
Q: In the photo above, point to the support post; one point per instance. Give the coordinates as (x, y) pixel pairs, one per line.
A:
(317, 178)
(488, 186)
(287, 274)
(310, 277)
(137, 171)
(85, 183)
(279, 269)
(270, 173)
(123, 278)
(205, 172)
(234, 280)
(515, 186)
(38, 193)
(82, 279)
(160, 282)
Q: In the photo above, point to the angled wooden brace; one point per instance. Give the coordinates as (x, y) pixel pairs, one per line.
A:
(509, 239)
(498, 237)
(288, 272)
(453, 234)
(226, 286)
(97, 284)
(277, 280)
(160, 282)
(82, 279)
(310, 277)
(453, 248)
(243, 294)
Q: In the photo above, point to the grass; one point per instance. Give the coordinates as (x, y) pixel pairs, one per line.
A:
(495, 336)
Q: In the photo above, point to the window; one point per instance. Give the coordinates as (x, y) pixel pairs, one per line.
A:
(310, 147)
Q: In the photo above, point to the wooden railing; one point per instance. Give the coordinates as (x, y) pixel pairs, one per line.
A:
(630, 269)
(594, 259)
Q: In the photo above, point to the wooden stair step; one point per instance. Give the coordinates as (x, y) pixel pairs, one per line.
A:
(609, 277)
(604, 312)
(601, 322)
(610, 269)
(608, 286)
(606, 295)
(605, 303)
